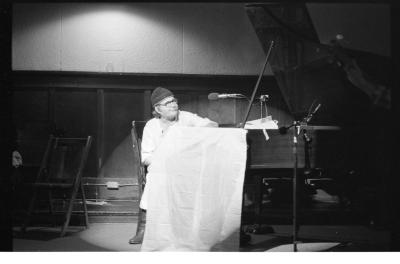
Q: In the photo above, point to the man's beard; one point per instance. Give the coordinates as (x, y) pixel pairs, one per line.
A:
(172, 117)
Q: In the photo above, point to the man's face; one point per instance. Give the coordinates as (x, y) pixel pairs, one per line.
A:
(168, 108)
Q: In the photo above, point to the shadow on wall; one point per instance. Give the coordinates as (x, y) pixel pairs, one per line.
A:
(120, 163)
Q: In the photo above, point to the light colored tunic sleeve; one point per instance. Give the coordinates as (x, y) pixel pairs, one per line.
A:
(196, 121)
(148, 143)
(152, 134)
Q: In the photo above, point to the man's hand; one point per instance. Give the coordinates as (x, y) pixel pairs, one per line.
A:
(379, 94)
(148, 161)
(356, 77)
(212, 124)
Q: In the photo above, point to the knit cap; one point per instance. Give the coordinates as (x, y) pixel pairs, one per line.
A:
(159, 94)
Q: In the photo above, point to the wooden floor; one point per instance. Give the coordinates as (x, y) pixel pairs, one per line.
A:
(324, 225)
(98, 237)
(114, 237)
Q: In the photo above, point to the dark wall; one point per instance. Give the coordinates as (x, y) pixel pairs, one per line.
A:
(7, 131)
(104, 105)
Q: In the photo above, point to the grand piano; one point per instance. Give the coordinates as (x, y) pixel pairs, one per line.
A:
(335, 144)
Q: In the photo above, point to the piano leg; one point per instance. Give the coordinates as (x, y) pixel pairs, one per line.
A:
(258, 227)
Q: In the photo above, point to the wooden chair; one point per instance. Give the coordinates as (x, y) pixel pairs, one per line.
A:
(140, 171)
(61, 170)
(138, 165)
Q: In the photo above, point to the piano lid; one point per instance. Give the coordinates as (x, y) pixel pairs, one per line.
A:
(309, 72)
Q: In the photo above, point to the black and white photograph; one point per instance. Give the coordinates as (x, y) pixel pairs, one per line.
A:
(229, 127)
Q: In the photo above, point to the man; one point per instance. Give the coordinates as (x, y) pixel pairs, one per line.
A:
(379, 94)
(166, 114)
(9, 180)
(378, 167)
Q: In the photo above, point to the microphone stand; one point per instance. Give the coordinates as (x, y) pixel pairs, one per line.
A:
(241, 125)
(296, 132)
(297, 127)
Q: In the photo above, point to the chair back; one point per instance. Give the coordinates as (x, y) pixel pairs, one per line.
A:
(139, 167)
(64, 160)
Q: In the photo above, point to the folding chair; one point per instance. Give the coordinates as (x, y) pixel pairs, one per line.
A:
(61, 170)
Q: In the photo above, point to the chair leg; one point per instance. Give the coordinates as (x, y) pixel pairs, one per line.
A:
(140, 229)
(85, 210)
(69, 213)
(30, 210)
(51, 208)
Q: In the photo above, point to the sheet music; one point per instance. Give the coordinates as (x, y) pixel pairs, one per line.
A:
(262, 123)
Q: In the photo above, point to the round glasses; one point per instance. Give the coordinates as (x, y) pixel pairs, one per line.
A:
(170, 102)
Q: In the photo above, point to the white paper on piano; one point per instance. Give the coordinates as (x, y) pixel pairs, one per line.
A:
(194, 190)
(262, 123)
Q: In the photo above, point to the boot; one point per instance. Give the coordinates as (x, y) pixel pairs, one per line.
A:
(138, 238)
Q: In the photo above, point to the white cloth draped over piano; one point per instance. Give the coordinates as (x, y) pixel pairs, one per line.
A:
(194, 189)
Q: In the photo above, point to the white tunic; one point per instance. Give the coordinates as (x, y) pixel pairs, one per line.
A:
(153, 134)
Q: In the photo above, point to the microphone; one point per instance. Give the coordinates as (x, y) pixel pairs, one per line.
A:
(316, 109)
(283, 130)
(216, 96)
(308, 118)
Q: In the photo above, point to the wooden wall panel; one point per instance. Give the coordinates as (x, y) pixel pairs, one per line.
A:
(104, 106)
(187, 101)
(202, 105)
(96, 189)
(120, 109)
(30, 106)
(75, 114)
(31, 115)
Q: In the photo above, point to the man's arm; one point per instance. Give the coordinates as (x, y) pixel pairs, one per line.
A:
(211, 123)
(147, 147)
(202, 121)
(379, 94)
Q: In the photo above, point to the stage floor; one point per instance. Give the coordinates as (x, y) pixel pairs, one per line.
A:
(114, 237)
